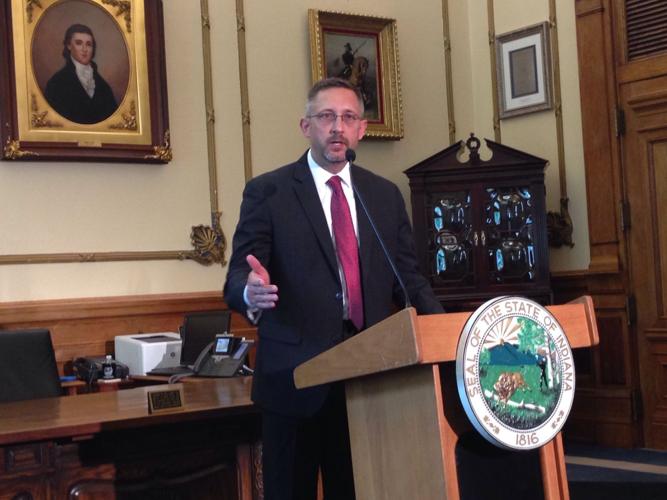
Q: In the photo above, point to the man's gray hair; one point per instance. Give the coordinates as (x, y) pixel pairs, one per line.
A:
(332, 83)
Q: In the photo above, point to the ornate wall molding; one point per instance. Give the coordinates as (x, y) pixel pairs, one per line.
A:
(209, 242)
(494, 80)
(447, 43)
(81, 257)
(559, 224)
(243, 83)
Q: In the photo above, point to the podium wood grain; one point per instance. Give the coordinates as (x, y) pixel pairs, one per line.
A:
(395, 432)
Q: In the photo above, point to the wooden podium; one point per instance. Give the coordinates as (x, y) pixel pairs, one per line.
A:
(404, 413)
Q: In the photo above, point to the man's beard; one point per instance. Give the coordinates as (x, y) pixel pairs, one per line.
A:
(334, 157)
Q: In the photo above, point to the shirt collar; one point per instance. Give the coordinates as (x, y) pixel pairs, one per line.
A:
(82, 68)
(321, 176)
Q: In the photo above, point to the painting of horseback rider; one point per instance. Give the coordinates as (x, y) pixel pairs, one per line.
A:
(354, 58)
(348, 61)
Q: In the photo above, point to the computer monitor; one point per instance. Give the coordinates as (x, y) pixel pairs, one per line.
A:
(199, 330)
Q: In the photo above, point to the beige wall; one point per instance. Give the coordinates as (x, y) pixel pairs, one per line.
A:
(98, 207)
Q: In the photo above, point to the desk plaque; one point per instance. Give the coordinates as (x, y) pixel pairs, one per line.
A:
(165, 400)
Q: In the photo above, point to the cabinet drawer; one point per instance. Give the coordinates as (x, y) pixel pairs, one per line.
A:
(25, 458)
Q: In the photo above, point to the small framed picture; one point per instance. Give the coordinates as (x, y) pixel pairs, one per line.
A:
(364, 51)
(83, 80)
(523, 68)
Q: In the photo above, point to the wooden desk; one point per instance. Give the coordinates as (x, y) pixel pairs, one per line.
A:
(163, 379)
(106, 445)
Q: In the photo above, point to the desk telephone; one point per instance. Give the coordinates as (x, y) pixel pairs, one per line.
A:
(223, 357)
(92, 368)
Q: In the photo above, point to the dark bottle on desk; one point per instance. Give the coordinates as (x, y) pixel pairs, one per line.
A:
(107, 367)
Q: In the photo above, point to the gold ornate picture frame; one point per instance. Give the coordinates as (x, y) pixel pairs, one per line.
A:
(364, 51)
(523, 69)
(44, 110)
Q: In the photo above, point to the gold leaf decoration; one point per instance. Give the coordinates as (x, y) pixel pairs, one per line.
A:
(129, 120)
(163, 152)
(13, 150)
(38, 118)
(209, 242)
(123, 8)
(30, 7)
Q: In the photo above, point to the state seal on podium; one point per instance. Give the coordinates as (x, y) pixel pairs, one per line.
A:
(515, 373)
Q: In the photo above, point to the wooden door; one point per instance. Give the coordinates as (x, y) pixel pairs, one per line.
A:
(645, 176)
(642, 86)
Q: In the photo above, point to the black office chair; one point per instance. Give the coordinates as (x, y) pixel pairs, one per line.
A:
(28, 367)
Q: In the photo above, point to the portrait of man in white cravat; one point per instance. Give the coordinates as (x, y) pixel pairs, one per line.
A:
(78, 91)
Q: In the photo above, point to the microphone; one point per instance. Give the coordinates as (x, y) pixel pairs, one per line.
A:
(350, 156)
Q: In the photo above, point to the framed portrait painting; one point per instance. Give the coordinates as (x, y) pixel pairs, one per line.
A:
(364, 51)
(85, 81)
(524, 71)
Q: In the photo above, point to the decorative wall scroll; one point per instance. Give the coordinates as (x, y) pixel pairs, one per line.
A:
(523, 71)
(363, 50)
(120, 114)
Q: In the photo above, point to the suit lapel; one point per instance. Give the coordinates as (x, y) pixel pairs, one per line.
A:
(306, 192)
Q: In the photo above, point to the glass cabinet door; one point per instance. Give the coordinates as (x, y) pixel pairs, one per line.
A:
(450, 238)
(508, 234)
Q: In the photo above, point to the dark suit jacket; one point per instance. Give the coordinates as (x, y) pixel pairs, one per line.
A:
(66, 95)
(282, 223)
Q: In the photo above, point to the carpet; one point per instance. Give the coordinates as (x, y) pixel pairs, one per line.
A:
(595, 472)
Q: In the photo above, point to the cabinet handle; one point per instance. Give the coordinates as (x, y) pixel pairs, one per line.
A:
(483, 238)
(475, 238)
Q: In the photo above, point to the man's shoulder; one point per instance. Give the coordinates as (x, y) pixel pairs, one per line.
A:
(365, 176)
(64, 74)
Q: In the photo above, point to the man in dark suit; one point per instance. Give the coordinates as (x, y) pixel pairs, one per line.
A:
(290, 273)
(77, 91)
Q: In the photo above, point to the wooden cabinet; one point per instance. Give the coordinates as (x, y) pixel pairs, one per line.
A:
(480, 226)
(24, 471)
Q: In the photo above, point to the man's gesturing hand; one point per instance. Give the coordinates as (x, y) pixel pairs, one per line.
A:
(260, 292)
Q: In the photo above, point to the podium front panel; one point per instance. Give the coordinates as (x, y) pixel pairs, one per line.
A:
(396, 428)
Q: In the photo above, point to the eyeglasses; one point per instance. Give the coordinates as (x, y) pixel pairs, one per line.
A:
(329, 117)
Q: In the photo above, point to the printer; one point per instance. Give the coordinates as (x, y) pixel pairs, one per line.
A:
(143, 352)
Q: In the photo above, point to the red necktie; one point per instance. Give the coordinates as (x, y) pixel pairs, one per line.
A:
(347, 250)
